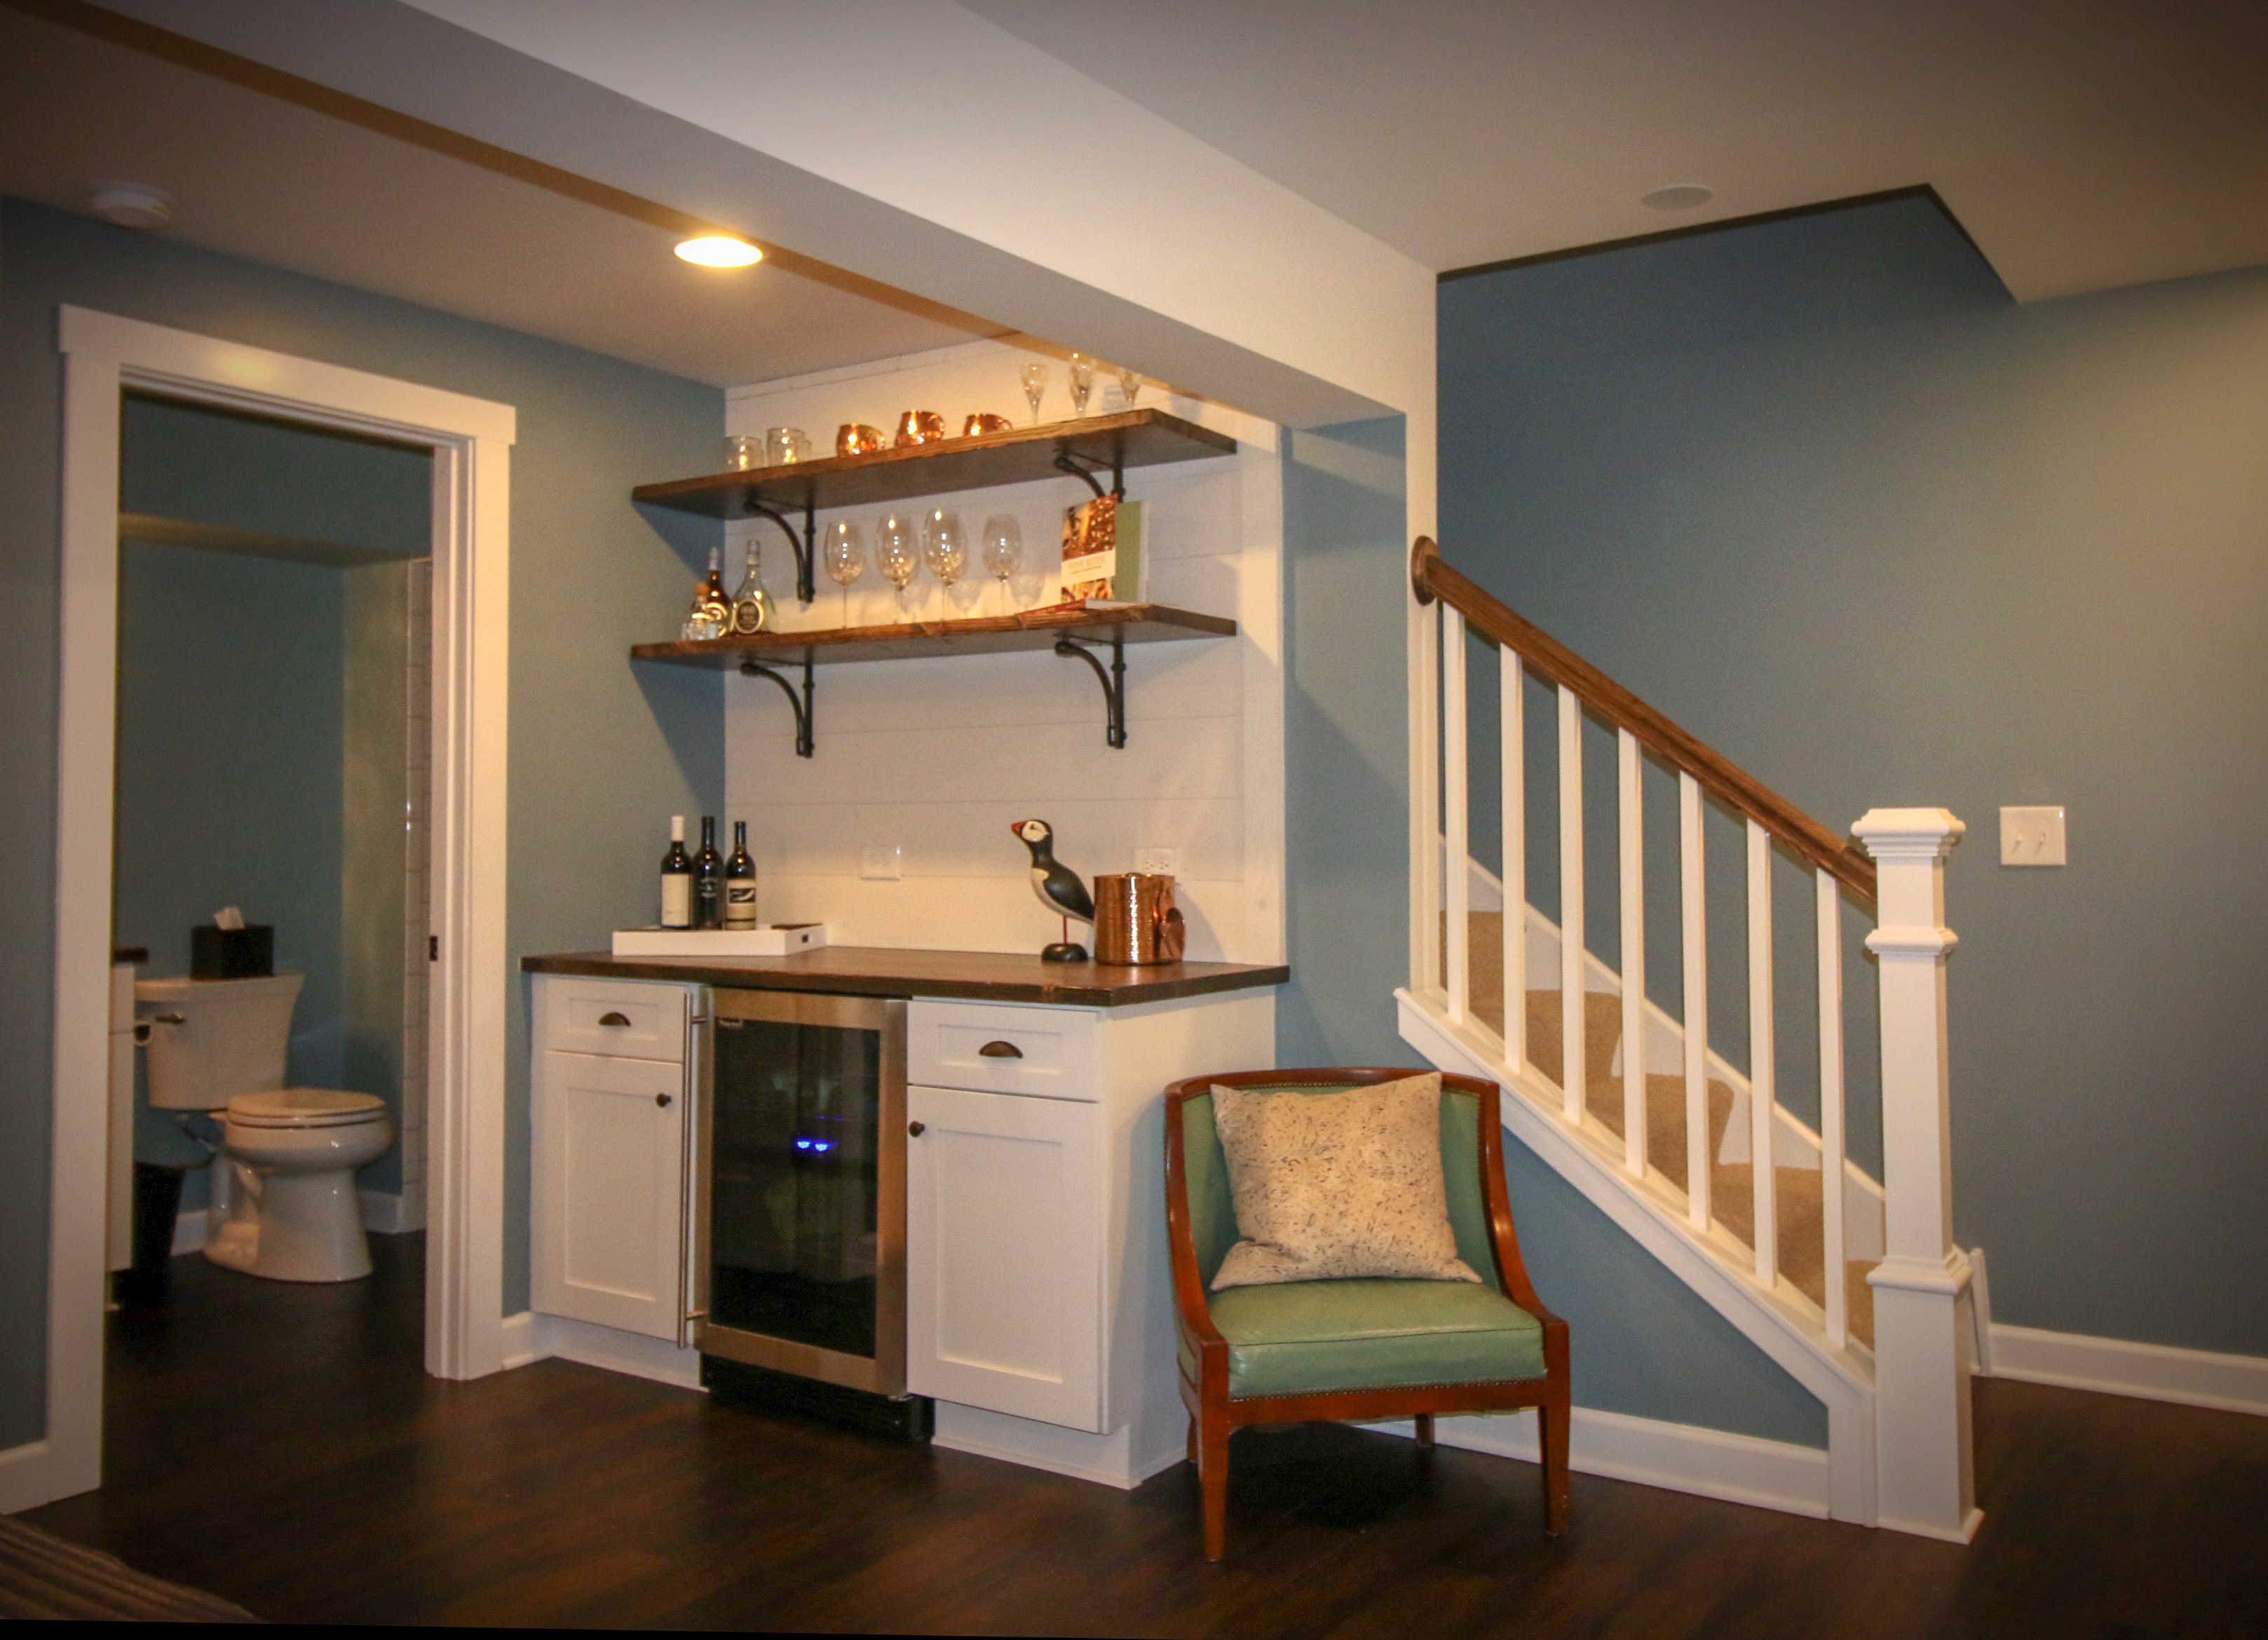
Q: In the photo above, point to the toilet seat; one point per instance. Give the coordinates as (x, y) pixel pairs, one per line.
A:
(306, 1107)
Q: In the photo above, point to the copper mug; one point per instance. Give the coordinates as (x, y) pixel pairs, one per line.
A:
(856, 438)
(1136, 922)
(920, 427)
(985, 422)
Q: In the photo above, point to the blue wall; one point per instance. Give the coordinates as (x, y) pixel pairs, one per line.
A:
(1644, 1345)
(600, 755)
(1819, 490)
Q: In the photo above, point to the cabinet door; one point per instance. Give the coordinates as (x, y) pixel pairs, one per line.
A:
(609, 1190)
(1003, 1254)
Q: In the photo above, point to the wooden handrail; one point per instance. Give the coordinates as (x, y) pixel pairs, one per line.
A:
(1430, 578)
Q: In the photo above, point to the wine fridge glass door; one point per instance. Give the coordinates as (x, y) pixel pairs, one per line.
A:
(804, 1187)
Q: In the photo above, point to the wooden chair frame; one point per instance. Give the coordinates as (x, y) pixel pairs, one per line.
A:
(1214, 1417)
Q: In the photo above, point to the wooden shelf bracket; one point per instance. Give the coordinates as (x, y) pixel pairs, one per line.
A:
(1113, 682)
(805, 739)
(805, 546)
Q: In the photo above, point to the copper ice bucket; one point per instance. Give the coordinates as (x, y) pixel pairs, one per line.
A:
(1136, 922)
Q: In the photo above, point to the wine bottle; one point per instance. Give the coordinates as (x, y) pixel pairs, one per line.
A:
(676, 878)
(708, 878)
(752, 606)
(741, 881)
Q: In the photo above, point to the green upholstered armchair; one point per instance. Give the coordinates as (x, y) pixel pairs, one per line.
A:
(1309, 1351)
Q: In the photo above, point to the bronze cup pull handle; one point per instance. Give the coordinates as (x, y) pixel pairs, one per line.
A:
(1001, 1050)
(615, 1018)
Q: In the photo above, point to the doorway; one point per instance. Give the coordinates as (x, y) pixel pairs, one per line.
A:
(468, 445)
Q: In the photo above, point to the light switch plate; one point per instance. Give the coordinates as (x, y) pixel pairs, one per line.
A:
(2032, 836)
(879, 862)
(1158, 862)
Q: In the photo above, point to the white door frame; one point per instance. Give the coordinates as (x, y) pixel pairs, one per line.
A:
(471, 441)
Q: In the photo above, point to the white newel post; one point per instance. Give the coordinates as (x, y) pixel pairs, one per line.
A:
(1924, 1474)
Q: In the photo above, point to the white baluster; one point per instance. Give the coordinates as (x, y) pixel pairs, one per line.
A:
(1456, 864)
(1571, 1070)
(1633, 937)
(1695, 928)
(1833, 1145)
(1425, 799)
(1924, 1479)
(1761, 1091)
(1512, 764)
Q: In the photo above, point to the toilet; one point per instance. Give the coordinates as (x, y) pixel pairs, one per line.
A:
(283, 1186)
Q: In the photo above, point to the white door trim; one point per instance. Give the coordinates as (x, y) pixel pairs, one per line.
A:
(471, 440)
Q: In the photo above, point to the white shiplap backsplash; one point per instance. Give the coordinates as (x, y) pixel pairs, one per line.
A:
(937, 758)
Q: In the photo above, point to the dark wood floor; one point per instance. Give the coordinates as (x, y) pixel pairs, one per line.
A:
(279, 1445)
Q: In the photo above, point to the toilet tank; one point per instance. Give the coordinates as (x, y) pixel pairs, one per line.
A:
(210, 1040)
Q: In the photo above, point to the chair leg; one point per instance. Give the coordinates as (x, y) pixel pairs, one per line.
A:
(1552, 1420)
(1425, 1432)
(1213, 1479)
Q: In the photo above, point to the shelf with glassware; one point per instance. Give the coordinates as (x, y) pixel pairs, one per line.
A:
(739, 629)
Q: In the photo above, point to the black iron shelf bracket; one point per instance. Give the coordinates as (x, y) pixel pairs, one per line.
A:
(806, 743)
(803, 546)
(1080, 464)
(1113, 682)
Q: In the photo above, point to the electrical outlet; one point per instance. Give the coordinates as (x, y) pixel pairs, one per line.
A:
(2032, 836)
(879, 862)
(1158, 862)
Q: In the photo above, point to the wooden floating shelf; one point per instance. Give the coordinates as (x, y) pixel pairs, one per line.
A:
(990, 634)
(1132, 438)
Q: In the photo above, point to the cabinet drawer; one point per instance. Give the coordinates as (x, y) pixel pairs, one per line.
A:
(992, 1048)
(630, 1018)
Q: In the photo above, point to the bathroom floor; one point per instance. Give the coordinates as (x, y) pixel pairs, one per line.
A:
(280, 1445)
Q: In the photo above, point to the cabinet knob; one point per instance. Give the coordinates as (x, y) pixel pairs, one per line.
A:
(662, 1100)
(915, 1129)
(1001, 1050)
(615, 1018)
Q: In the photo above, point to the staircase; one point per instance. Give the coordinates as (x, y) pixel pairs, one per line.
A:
(1848, 1281)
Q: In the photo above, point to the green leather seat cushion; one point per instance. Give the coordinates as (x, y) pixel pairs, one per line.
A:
(1317, 1337)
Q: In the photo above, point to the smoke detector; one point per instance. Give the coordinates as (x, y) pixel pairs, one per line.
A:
(130, 204)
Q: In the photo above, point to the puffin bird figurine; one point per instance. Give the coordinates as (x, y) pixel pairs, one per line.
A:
(1058, 887)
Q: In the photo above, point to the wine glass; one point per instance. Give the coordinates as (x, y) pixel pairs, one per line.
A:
(896, 557)
(1036, 383)
(1082, 382)
(844, 556)
(945, 547)
(1003, 550)
(1130, 383)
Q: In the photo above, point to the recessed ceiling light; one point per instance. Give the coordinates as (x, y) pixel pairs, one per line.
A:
(130, 204)
(719, 250)
(1678, 197)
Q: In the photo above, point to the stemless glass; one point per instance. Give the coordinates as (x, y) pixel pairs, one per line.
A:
(1036, 383)
(945, 549)
(896, 557)
(1003, 550)
(1082, 382)
(843, 554)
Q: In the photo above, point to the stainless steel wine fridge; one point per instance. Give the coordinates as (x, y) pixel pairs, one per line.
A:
(799, 1203)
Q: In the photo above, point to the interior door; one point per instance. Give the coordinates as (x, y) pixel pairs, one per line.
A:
(1003, 1254)
(609, 1172)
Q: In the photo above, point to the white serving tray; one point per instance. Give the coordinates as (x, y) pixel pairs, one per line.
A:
(783, 940)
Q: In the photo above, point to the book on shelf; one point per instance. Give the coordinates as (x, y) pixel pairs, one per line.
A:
(1102, 553)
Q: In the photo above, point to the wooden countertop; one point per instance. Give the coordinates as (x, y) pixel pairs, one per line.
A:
(982, 976)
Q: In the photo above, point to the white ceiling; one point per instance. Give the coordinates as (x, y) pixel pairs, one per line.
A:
(2083, 144)
(278, 183)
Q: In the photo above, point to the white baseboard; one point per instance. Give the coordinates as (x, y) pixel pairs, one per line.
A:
(1106, 1460)
(389, 1213)
(2114, 1366)
(189, 1231)
(529, 1338)
(24, 1477)
(1677, 1457)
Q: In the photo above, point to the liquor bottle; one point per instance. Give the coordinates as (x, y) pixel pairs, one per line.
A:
(752, 606)
(712, 612)
(676, 878)
(708, 878)
(741, 881)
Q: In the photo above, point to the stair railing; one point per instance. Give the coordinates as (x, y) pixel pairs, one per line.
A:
(1922, 1281)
